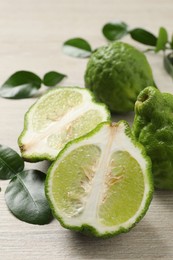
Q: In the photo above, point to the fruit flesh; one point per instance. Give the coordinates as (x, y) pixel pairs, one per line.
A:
(54, 108)
(78, 127)
(74, 185)
(123, 174)
(93, 186)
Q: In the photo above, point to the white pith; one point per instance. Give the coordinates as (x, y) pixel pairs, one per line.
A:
(36, 141)
(109, 140)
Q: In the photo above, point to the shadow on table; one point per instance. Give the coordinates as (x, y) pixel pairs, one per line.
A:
(163, 195)
(41, 166)
(143, 241)
(129, 117)
(164, 199)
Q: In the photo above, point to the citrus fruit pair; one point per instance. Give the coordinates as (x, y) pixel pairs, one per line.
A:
(100, 182)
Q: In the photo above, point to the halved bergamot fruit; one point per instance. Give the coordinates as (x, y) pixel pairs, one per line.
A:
(59, 116)
(101, 184)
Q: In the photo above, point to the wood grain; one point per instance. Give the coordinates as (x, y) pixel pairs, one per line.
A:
(32, 33)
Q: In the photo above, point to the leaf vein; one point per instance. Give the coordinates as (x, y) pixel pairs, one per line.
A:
(26, 189)
(1, 160)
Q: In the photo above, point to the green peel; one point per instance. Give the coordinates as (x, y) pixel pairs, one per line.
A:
(153, 127)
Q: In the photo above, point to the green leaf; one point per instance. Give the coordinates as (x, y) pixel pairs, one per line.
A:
(25, 197)
(52, 78)
(10, 163)
(22, 84)
(162, 39)
(171, 43)
(143, 36)
(115, 31)
(168, 63)
(77, 47)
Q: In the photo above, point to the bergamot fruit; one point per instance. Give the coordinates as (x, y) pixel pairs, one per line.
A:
(153, 127)
(59, 116)
(116, 74)
(101, 184)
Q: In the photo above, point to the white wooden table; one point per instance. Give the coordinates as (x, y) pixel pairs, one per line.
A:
(31, 36)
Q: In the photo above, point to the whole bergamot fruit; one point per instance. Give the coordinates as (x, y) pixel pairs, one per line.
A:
(116, 74)
(153, 127)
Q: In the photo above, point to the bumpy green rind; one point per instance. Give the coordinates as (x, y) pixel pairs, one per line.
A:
(45, 156)
(85, 228)
(153, 127)
(116, 73)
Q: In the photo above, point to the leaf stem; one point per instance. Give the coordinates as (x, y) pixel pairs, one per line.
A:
(148, 50)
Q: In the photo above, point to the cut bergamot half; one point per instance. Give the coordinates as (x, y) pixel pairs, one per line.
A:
(101, 184)
(59, 116)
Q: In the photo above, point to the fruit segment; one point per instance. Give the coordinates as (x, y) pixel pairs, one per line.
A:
(123, 189)
(101, 182)
(61, 115)
(73, 186)
(54, 106)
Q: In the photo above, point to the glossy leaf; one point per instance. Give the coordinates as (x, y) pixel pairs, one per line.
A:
(171, 43)
(77, 47)
(22, 84)
(52, 78)
(10, 163)
(143, 36)
(25, 197)
(162, 39)
(168, 63)
(115, 31)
